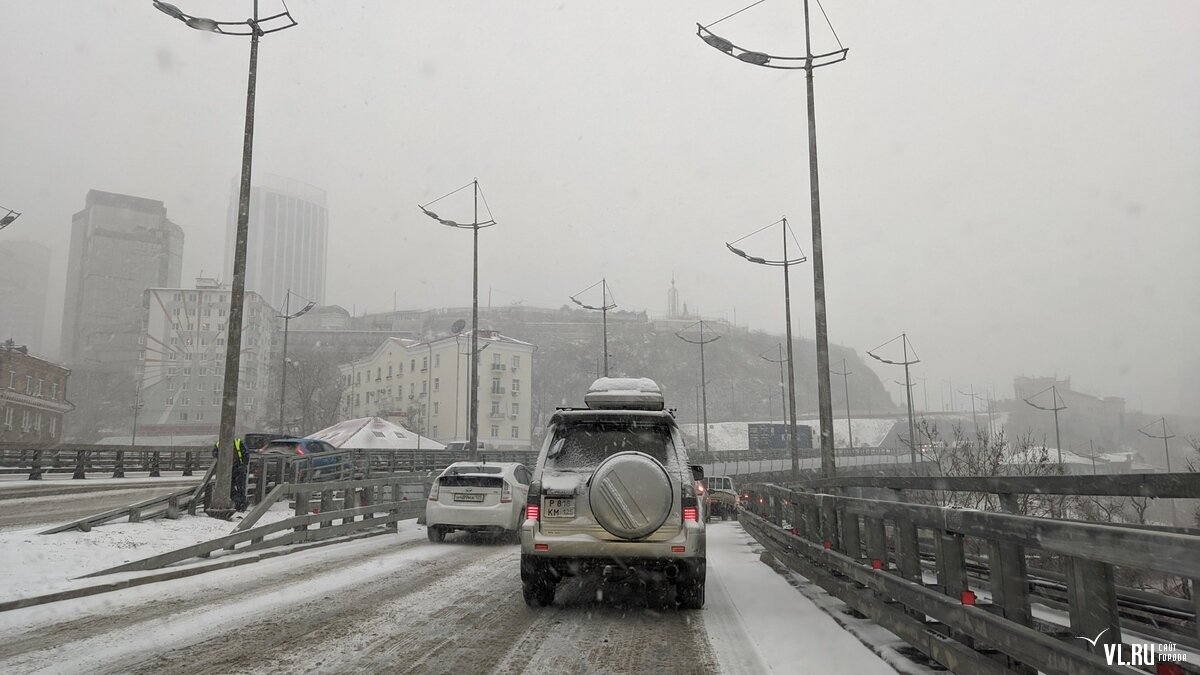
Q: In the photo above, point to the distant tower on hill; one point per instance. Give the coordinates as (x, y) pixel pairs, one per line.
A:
(673, 300)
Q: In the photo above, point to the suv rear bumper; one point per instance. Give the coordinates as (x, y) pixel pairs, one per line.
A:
(534, 567)
(688, 544)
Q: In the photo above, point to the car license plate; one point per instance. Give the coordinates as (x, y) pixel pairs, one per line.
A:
(558, 507)
(467, 497)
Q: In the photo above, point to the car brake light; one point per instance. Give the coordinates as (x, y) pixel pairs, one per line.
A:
(699, 488)
(533, 512)
(506, 494)
(541, 547)
(433, 492)
(678, 549)
(691, 513)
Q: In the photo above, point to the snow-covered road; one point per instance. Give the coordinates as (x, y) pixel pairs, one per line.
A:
(396, 603)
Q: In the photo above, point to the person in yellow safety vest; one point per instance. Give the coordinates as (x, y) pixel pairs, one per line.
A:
(237, 484)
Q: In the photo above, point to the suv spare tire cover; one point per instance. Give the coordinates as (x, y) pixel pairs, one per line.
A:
(631, 495)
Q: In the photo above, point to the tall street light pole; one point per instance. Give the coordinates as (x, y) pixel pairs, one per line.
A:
(807, 63)
(846, 373)
(783, 401)
(1165, 436)
(703, 382)
(286, 319)
(1054, 405)
(475, 226)
(606, 303)
(912, 440)
(255, 27)
(827, 466)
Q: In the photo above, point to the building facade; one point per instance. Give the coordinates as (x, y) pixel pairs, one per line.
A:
(33, 396)
(428, 384)
(288, 235)
(24, 276)
(181, 369)
(120, 246)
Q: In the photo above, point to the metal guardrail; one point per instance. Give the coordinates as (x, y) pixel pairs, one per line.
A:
(867, 553)
(363, 503)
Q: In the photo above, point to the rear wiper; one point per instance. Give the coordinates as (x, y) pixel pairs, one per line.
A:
(555, 449)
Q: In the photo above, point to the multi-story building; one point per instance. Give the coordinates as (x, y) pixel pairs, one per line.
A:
(24, 276)
(182, 366)
(33, 396)
(288, 233)
(428, 383)
(120, 246)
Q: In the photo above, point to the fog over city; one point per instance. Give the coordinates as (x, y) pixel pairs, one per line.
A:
(1012, 184)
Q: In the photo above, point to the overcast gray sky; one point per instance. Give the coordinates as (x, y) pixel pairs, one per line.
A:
(1012, 183)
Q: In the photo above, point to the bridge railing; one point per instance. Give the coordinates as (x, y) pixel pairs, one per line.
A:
(868, 552)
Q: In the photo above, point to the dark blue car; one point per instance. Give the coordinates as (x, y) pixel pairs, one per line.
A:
(309, 459)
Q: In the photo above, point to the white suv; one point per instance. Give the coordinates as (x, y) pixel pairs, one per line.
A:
(613, 493)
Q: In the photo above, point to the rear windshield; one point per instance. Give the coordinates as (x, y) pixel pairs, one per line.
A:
(473, 469)
(722, 484)
(290, 448)
(585, 444)
(471, 481)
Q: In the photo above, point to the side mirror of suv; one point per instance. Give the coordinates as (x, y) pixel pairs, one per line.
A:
(697, 472)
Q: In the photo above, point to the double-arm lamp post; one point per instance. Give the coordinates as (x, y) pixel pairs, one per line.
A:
(827, 465)
(807, 63)
(475, 226)
(703, 383)
(606, 303)
(286, 319)
(254, 27)
(912, 439)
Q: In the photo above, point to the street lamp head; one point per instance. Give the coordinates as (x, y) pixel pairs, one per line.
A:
(201, 23)
(757, 58)
(170, 10)
(9, 218)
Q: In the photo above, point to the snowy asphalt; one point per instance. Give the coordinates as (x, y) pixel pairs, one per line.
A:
(397, 603)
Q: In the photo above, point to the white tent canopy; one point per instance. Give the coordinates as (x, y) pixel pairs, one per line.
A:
(371, 433)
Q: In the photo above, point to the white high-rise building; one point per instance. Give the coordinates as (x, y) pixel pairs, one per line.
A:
(287, 244)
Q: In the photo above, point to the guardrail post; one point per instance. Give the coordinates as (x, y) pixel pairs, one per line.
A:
(135, 515)
(829, 524)
(877, 543)
(155, 460)
(1008, 575)
(35, 467)
(348, 502)
(301, 508)
(326, 506)
(187, 464)
(80, 468)
(851, 537)
(395, 499)
(173, 508)
(119, 465)
(1196, 605)
(1092, 599)
(368, 499)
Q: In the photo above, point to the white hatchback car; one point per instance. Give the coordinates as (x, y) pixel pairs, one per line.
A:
(477, 497)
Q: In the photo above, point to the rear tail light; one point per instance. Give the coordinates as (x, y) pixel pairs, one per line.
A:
(506, 494)
(691, 513)
(533, 512)
(699, 488)
(433, 492)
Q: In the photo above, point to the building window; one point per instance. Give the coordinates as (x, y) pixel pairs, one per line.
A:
(412, 389)
(424, 363)
(495, 431)
(38, 391)
(25, 420)
(516, 432)
(53, 391)
(53, 426)
(174, 339)
(424, 386)
(437, 384)
(496, 358)
(516, 362)
(175, 311)
(516, 386)
(437, 360)
(200, 417)
(8, 415)
(435, 407)
(496, 387)
(495, 408)
(183, 416)
(516, 409)
(187, 371)
(412, 365)
(28, 384)
(37, 422)
(389, 371)
(175, 326)
(435, 431)
(12, 379)
(378, 374)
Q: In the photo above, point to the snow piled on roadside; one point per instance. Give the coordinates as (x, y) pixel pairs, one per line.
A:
(726, 436)
(36, 564)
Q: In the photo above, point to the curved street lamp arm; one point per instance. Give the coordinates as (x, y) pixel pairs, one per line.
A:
(767, 60)
(763, 261)
(451, 223)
